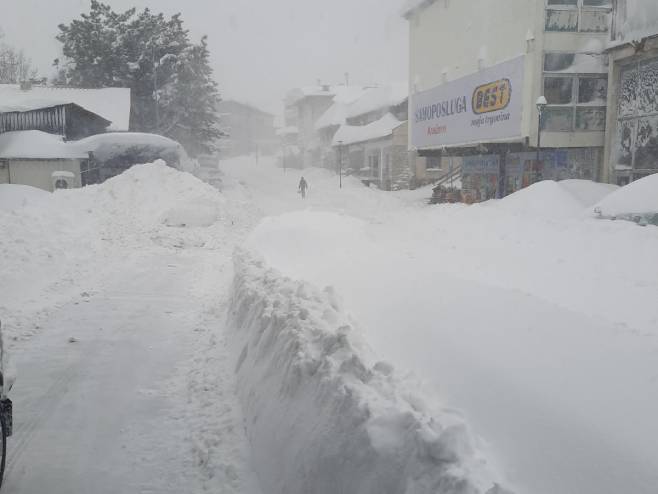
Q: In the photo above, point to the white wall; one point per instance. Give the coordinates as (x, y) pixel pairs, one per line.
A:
(38, 173)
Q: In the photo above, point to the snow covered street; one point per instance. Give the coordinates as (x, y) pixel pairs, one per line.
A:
(151, 358)
(127, 386)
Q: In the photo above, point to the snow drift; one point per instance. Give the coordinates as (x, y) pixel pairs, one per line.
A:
(322, 416)
(50, 241)
(640, 196)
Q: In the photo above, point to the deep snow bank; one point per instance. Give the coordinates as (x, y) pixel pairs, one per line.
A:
(550, 199)
(322, 416)
(52, 242)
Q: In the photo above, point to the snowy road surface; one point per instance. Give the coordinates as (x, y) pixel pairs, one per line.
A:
(516, 313)
(106, 393)
(116, 325)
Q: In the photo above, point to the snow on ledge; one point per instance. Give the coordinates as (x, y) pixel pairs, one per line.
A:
(320, 417)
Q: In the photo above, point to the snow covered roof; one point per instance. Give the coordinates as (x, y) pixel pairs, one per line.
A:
(410, 6)
(339, 92)
(285, 131)
(636, 19)
(34, 144)
(379, 98)
(105, 146)
(112, 104)
(351, 134)
(337, 113)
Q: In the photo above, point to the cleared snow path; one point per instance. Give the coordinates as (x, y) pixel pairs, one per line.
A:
(113, 300)
(111, 396)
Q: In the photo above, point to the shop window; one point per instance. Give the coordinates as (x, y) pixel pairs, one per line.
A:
(648, 83)
(646, 147)
(586, 16)
(628, 89)
(637, 125)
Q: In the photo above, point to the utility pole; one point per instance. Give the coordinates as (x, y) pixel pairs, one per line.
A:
(155, 87)
(340, 164)
(541, 105)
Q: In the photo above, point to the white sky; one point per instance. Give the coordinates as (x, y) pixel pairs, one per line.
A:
(260, 49)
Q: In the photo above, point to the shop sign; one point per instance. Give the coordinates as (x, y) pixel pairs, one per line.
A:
(485, 106)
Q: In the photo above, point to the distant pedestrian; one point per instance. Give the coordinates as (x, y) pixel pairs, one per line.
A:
(303, 186)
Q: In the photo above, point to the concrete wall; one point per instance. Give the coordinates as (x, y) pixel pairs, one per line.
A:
(38, 173)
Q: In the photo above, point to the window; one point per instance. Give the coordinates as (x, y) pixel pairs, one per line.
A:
(585, 16)
(576, 102)
(576, 88)
(558, 90)
(637, 124)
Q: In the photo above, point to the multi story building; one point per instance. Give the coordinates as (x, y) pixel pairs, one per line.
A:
(631, 150)
(372, 142)
(477, 69)
(304, 107)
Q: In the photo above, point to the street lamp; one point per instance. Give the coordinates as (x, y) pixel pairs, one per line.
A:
(541, 105)
(340, 164)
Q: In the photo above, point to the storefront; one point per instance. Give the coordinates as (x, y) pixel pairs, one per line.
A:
(635, 142)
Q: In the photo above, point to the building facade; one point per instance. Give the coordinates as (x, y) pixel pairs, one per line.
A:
(372, 142)
(476, 72)
(631, 150)
(305, 107)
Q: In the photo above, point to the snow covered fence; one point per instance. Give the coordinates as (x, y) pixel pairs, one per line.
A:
(320, 417)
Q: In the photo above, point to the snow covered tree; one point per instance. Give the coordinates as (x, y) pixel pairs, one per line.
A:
(189, 100)
(173, 92)
(15, 66)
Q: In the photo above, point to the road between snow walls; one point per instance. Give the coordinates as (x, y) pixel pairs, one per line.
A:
(322, 415)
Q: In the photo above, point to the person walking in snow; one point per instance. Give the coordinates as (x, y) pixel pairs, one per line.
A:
(303, 186)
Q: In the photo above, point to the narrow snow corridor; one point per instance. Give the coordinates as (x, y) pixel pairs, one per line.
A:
(129, 388)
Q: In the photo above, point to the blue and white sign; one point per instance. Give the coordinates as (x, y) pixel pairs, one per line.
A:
(486, 106)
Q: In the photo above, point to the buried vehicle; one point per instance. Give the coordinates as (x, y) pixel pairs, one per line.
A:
(636, 202)
(113, 153)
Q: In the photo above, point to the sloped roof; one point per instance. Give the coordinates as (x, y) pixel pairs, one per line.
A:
(379, 98)
(112, 104)
(34, 144)
(352, 134)
(410, 6)
(231, 102)
(337, 113)
(338, 92)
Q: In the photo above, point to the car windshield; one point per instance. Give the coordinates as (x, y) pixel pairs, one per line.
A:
(305, 247)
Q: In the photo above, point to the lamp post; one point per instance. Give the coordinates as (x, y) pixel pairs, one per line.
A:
(541, 105)
(340, 164)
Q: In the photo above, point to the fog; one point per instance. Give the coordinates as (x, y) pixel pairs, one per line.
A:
(259, 49)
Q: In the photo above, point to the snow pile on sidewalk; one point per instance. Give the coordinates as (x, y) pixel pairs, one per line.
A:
(550, 199)
(52, 241)
(322, 416)
(148, 196)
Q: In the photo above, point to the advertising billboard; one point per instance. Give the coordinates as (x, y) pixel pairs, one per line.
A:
(486, 106)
